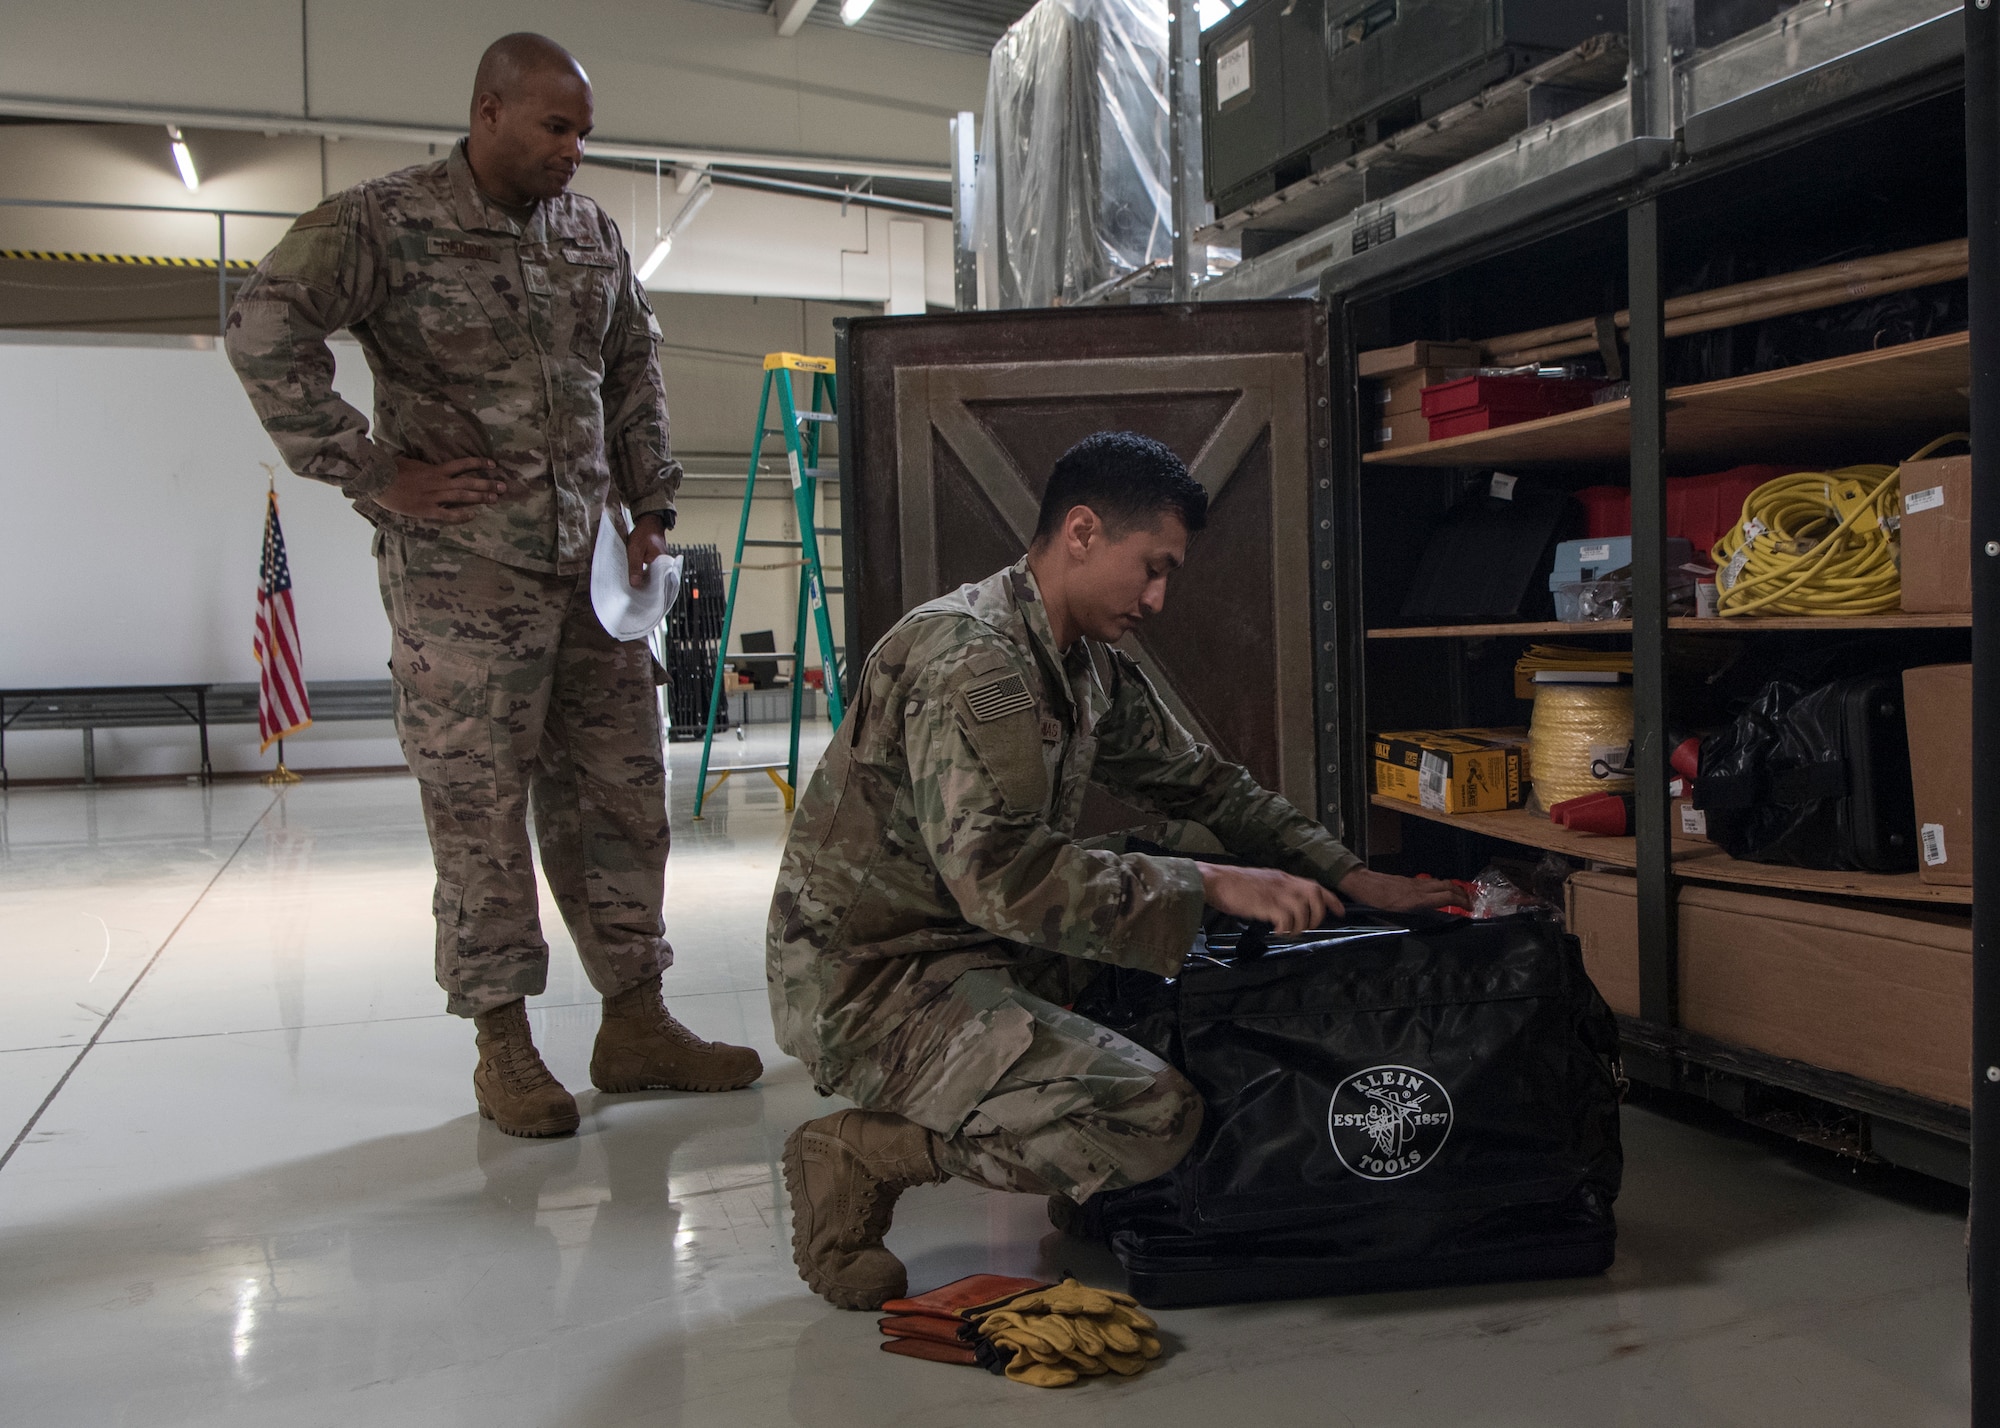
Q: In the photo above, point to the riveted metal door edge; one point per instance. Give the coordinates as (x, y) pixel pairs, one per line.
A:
(1338, 639)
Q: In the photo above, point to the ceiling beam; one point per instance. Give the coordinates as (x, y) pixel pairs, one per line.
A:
(267, 123)
(790, 14)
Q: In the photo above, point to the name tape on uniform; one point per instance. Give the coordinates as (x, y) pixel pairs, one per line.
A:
(462, 248)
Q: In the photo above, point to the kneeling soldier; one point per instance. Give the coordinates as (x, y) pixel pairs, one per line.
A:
(934, 913)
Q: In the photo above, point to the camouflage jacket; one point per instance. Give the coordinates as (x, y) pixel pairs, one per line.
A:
(525, 341)
(936, 838)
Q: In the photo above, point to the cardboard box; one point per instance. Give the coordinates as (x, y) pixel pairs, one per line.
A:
(1937, 535)
(1453, 770)
(1385, 361)
(1404, 392)
(1883, 996)
(1403, 429)
(1602, 911)
(1937, 707)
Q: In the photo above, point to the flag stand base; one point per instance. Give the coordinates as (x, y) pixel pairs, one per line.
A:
(279, 776)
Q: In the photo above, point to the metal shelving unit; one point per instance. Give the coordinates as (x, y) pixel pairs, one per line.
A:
(1689, 129)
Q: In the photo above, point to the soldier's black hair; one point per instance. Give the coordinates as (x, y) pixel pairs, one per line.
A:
(1129, 480)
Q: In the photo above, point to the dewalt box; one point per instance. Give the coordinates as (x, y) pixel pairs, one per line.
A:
(1453, 770)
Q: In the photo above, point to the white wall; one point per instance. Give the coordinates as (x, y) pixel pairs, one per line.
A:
(760, 243)
(665, 71)
(133, 504)
(132, 507)
(743, 241)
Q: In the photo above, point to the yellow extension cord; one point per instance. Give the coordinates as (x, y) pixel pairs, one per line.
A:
(1816, 543)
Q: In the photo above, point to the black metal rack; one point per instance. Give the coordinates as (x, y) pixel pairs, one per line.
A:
(1982, 170)
(1647, 232)
(691, 641)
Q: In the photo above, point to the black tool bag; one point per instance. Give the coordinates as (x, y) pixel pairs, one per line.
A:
(1411, 1100)
(1814, 778)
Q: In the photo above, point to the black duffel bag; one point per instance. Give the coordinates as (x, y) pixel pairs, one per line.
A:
(1412, 1100)
(1814, 777)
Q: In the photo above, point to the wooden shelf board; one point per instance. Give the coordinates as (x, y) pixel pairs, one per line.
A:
(1875, 405)
(1590, 434)
(1694, 859)
(1781, 623)
(1719, 867)
(1531, 627)
(1534, 830)
(1768, 624)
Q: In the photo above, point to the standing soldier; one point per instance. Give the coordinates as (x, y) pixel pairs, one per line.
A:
(516, 383)
(935, 914)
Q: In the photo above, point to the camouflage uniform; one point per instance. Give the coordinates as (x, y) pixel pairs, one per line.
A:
(526, 341)
(933, 909)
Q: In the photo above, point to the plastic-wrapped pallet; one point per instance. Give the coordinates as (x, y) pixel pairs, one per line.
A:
(1073, 170)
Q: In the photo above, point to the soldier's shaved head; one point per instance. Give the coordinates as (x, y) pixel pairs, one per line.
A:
(511, 61)
(531, 110)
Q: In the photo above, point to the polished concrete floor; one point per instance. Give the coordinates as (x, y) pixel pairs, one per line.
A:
(246, 1185)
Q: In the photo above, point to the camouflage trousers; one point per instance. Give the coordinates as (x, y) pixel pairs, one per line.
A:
(1081, 1110)
(509, 694)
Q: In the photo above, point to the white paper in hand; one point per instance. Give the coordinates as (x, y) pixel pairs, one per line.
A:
(629, 612)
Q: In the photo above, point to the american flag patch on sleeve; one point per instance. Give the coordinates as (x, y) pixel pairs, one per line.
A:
(997, 698)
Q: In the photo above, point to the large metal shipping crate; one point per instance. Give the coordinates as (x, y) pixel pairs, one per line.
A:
(1292, 86)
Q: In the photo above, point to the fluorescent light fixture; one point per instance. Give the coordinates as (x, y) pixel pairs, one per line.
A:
(790, 15)
(183, 160)
(703, 192)
(852, 10)
(652, 263)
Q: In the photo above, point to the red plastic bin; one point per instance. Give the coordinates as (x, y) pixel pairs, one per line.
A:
(1700, 509)
(1607, 511)
(1475, 419)
(1522, 398)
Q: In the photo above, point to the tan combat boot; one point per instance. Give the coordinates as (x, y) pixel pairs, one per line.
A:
(640, 1047)
(844, 1173)
(515, 1090)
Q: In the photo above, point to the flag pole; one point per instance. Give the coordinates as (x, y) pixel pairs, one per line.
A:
(281, 775)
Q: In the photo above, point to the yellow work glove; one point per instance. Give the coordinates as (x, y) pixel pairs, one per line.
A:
(1069, 1331)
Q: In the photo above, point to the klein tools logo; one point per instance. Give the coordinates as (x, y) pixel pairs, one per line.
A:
(1388, 1121)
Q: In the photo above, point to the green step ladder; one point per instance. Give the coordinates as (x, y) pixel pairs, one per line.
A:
(800, 427)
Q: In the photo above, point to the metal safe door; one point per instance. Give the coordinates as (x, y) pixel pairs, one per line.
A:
(951, 424)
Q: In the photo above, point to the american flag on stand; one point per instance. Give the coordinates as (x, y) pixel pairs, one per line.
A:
(282, 707)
